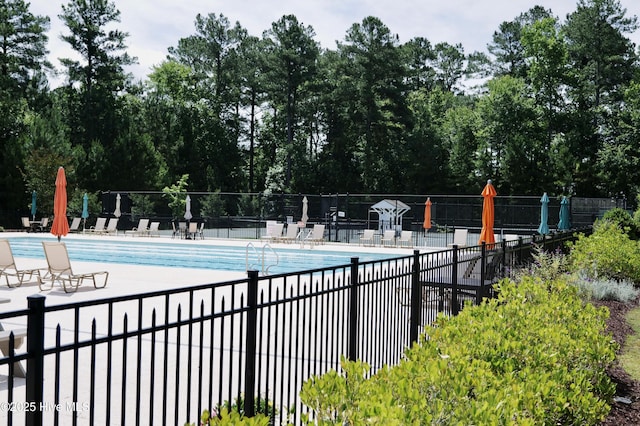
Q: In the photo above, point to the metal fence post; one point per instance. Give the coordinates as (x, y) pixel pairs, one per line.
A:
(454, 283)
(416, 299)
(353, 311)
(35, 362)
(250, 344)
(483, 273)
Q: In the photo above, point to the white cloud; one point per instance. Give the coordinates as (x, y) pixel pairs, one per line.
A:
(155, 25)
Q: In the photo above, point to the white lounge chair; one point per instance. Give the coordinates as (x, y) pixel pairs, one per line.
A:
(75, 225)
(291, 234)
(9, 270)
(154, 229)
(140, 230)
(274, 231)
(459, 238)
(406, 239)
(26, 223)
(99, 227)
(316, 235)
(366, 239)
(59, 269)
(112, 227)
(388, 238)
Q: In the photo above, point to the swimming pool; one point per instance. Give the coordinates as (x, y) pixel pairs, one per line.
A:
(200, 256)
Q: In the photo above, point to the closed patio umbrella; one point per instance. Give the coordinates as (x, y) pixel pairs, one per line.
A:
(488, 214)
(427, 214)
(60, 226)
(565, 221)
(85, 209)
(305, 211)
(117, 212)
(34, 209)
(187, 212)
(543, 229)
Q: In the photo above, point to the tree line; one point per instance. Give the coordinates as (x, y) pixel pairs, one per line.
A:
(552, 105)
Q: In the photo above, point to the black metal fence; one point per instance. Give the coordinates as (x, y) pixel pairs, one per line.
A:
(163, 357)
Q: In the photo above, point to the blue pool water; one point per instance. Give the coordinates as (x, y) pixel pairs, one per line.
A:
(201, 256)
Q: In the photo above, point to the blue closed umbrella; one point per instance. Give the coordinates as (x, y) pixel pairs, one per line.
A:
(543, 229)
(33, 204)
(565, 221)
(85, 209)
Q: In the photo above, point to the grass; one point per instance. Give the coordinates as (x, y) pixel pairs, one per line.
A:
(630, 358)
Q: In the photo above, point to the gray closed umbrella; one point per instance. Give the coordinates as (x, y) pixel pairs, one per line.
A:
(187, 212)
(117, 212)
(305, 209)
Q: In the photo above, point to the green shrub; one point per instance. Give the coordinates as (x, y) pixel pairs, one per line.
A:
(608, 253)
(535, 355)
(546, 265)
(623, 220)
(228, 418)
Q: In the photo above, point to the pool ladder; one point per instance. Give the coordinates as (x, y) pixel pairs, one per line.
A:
(255, 258)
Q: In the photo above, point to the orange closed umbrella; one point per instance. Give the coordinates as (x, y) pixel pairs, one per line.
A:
(486, 234)
(60, 225)
(427, 214)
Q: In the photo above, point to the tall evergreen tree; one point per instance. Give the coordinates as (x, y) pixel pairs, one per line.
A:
(602, 60)
(374, 76)
(23, 61)
(94, 83)
(291, 61)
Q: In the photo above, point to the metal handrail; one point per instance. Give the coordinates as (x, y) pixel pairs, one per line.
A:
(260, 258)
(265, 268)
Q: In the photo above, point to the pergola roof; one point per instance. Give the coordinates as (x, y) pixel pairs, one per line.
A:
(390, 207)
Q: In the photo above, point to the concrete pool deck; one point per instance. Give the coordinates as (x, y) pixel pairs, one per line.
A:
(127, 279)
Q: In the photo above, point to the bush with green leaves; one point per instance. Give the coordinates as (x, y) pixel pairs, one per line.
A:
(608, 253)
(535, 355)
(227, 417)
(546, 265)
(623, 220)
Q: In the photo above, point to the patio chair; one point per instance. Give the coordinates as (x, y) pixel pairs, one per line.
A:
(291, 234)
(406, 239)
(201, 231)
(316, 236)
(175, 230)
(112, 227)
(59, 270)
(459, 238)
(366, 239)
(9, 270)
(26, 223)
(154, 229)
(192, 231)
(388, 238)
(99, 227)
(75, 225)
(274, 231)
(140, 230)
(44, 224)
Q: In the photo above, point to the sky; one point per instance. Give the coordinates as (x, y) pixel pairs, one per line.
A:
(156, 25)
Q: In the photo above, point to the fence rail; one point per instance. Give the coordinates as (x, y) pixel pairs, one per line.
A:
(163, 357)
